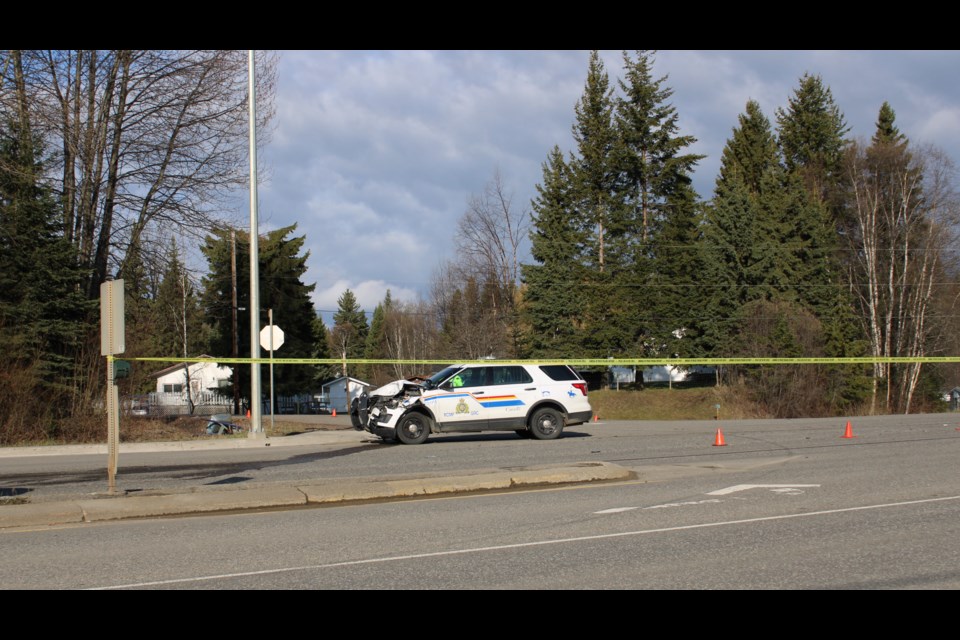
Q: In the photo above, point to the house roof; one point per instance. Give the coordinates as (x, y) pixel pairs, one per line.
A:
(177, 367)
(333, 382)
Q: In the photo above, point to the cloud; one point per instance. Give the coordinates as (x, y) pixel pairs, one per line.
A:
(375, 154)
(369, 293)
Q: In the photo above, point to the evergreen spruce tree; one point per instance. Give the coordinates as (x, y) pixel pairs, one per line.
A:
(44, 317)
(660, 215)
(812, 134)
(752, 149)
(811, 137)
(283, 265)
(281, 268)
(593, 168)
(675, 305)
(177, 322)
(729, 242)
(627, 180)
(743, 235)
(374, 348)
(321, 351)
(554, 296)
(886, 131)
(655, 169)
(349, 334)
(596, 205)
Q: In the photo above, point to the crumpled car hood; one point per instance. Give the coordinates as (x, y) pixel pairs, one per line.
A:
(395, 388)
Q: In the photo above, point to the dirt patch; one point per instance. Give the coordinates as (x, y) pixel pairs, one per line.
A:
(140, 429)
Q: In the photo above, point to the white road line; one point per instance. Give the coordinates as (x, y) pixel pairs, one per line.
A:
(744, 487)
(617, 510)
(539, 543)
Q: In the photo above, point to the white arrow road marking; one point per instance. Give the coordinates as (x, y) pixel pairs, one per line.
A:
(783, 488)
(659, 506)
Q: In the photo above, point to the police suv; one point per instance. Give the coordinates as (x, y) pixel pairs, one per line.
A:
(536, 401)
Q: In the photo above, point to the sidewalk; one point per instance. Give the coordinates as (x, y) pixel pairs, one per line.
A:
(209, 499)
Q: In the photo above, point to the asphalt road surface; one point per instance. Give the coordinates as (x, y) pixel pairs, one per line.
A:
(783, 505)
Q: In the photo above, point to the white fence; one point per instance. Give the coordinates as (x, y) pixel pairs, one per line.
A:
(207, 403)
(177, 403)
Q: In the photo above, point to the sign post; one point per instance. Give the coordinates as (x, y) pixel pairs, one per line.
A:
(271, 338)
(112, 330)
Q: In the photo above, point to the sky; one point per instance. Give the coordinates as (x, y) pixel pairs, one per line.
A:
(374, 154)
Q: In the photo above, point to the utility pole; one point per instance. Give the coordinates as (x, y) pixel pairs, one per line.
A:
(235, 346)
(256, 424)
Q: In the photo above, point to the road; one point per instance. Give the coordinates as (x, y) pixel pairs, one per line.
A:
(784, 505)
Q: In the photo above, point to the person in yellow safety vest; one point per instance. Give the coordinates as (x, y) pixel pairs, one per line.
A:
(456, 381)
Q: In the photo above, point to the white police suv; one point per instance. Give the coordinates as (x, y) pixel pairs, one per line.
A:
(536, 401)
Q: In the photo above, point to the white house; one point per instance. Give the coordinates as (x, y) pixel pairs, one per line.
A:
(659, 373)
(335, 392)
(201, 376)
(664, 373)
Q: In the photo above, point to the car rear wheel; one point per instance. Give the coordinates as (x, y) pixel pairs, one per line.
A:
(546, 424)
(413, 428)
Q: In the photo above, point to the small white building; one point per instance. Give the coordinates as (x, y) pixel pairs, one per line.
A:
(200, 376)
(663, 373)
(336, 392)
(952, 397)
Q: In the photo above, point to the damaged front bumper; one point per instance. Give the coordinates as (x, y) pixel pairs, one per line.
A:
(378, 412)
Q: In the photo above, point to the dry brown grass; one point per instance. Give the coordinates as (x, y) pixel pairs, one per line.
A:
(138, 429)
(697, 403)
(93, 430)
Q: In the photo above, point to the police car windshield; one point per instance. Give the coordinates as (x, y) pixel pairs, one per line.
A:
(434, 381)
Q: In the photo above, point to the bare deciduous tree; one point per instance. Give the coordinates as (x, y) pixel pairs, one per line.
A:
(145, 139)
(476, 294)
(409, 334)
(490, 235)
(904, 206)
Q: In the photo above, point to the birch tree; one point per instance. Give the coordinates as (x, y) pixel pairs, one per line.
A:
(903, 203)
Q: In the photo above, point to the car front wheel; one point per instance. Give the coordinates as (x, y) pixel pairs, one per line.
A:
(546, 424)
(413, 428)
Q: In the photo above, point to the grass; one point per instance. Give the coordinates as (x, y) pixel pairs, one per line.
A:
(195, 428)
(168, 429)
(656, 403)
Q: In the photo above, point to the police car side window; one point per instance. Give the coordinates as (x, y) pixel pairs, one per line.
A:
(475, 377)
(511, 375)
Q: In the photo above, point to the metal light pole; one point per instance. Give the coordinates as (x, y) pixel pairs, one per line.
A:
(256, 425)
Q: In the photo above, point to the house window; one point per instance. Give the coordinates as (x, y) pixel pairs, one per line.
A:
(173, 388)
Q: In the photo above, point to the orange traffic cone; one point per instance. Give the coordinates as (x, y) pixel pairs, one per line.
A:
(596, 417)
(334, 413)
(248, 414)
(849, 432)
(719, 441)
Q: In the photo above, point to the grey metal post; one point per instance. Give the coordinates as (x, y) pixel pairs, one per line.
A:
(272, 425)
(256, 425)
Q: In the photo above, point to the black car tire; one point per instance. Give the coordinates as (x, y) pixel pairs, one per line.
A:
(413, 428)
(546, 424)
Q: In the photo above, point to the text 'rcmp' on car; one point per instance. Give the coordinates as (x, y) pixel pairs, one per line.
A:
(536, 401)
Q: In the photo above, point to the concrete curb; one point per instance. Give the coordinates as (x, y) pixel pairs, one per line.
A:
(318, 493)
(224, 442)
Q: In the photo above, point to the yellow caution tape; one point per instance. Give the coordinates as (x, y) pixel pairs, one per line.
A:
(578, 362)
